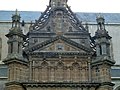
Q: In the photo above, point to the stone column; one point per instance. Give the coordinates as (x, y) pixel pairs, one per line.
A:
(89, 68)
(30, 70)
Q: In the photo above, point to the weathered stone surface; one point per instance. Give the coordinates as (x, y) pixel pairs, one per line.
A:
(58, 52)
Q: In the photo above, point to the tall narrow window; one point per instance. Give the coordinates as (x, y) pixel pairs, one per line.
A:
(18, 47)
(75, 73)
(100, 50)
(97, 73)
(44, 71)
(11, 48)
(59, 71)
(58, 3)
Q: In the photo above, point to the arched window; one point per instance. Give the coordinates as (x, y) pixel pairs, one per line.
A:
(59, 71)
(44, 71)
(75, 72)
(0, 48)
(100, 50)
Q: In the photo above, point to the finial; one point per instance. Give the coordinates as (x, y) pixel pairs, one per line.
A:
(86, 26)
(100, 16)
(100, 21)
(16, 19)
(16, 12)
(31, 26)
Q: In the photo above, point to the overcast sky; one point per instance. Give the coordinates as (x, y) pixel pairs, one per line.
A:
(107, 6)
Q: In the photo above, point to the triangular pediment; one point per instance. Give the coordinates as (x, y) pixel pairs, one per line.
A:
(59, 44)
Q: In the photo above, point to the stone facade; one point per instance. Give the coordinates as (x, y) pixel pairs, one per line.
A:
(58, 53)
(113, 29)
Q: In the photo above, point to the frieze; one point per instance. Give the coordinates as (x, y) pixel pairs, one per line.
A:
(62, 84)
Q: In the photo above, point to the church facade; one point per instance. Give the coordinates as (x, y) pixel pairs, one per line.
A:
(58, 52)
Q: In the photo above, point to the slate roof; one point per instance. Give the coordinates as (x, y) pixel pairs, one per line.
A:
(25, 15)
(87, 17)
(115, 72)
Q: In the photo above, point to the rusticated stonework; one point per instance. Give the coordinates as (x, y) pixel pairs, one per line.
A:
(58, 53)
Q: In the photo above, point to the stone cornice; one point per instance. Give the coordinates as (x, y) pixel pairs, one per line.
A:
(57, 54)
(76, 33)
(60, 84)
(107, 83)
(16, 31)
(100, 61)
(15, 58)
(15, 83)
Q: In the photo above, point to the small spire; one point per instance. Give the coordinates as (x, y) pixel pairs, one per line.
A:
(31, 26)
(16, 12)
(101, 31)
(16, 19)
(99, 16)
(86, 26)
(100, 21)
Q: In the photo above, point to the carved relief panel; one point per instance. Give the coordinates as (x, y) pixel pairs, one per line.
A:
(59, 70)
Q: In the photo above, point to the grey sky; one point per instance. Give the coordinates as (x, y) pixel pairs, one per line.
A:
(76, 5)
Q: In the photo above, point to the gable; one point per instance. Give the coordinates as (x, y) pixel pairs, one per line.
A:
(59, 44)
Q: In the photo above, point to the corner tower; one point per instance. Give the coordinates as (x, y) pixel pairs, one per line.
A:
(104, 59)
(17, 64)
